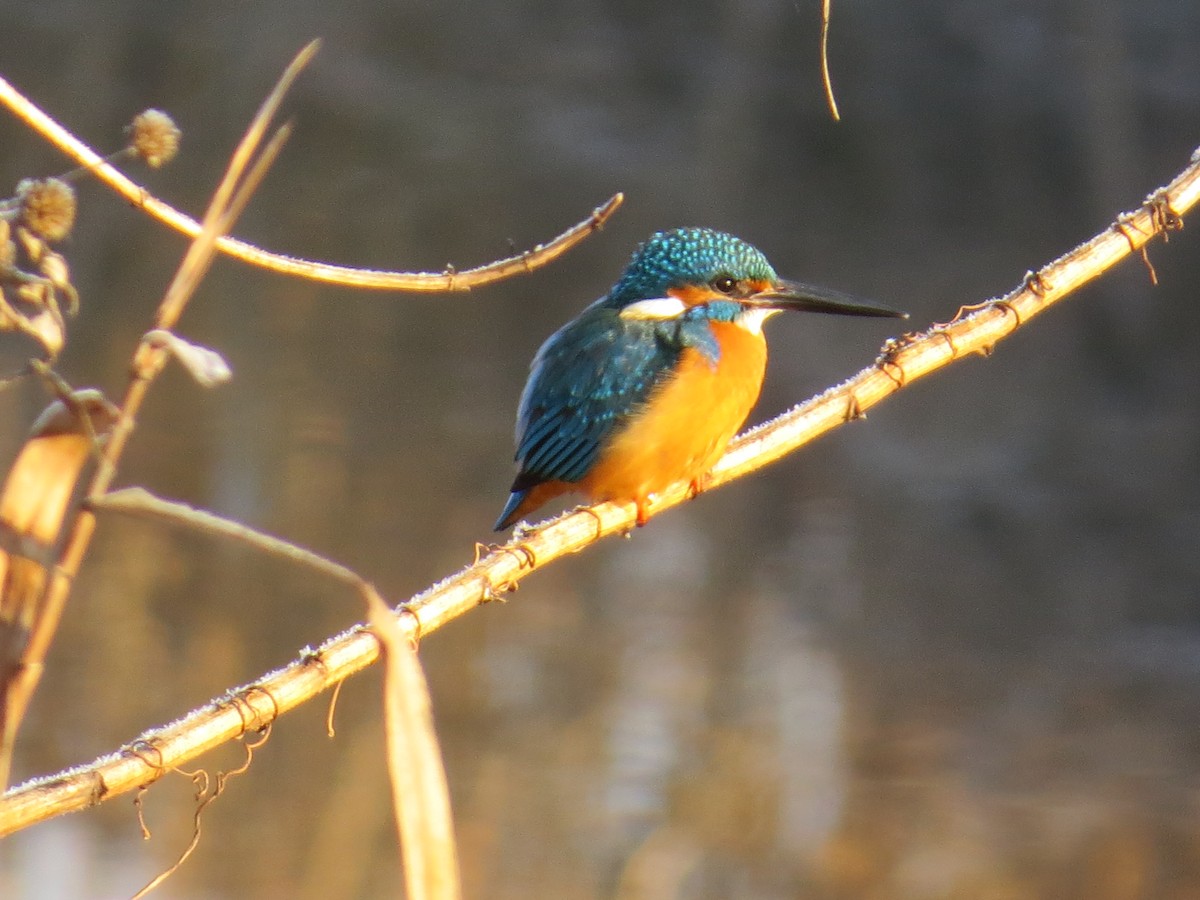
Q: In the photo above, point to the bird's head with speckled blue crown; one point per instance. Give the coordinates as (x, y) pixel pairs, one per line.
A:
(648, 385)
(688, 256)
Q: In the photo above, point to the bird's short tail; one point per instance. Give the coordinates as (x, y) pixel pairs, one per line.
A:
(526, 497)
(512, 510)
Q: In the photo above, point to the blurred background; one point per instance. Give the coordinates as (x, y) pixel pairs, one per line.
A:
(950, 651)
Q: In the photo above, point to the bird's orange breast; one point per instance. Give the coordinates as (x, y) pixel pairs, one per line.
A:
(686, 423)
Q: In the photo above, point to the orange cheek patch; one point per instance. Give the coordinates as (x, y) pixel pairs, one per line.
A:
(694, 294)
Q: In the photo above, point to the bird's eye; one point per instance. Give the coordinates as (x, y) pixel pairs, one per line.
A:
(725, 284)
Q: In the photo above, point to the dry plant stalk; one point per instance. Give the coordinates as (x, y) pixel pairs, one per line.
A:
(499, 569)
(246, 169)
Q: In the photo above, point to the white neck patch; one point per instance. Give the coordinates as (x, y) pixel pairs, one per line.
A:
(661, 309)
(657, 309)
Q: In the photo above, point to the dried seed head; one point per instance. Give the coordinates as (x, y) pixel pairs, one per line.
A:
(154, 137)
(207, 366)
(47, 207)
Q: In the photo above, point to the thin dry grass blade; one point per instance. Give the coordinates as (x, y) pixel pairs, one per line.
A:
(420, 796)
(140, 502)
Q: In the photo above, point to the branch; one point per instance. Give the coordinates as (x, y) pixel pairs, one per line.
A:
(420, 796)
(976, 329)
(426, 282)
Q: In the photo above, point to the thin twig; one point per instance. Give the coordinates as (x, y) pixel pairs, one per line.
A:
(902, 362)
(371, 279)
(825, 79)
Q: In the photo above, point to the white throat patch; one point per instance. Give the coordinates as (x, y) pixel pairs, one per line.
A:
(752, 319)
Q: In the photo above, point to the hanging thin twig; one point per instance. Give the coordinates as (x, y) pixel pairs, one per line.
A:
(825, 79)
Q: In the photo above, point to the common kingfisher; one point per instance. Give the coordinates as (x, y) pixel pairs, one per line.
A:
(650, 383)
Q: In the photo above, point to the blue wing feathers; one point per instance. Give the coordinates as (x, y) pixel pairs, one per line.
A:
(587, 379)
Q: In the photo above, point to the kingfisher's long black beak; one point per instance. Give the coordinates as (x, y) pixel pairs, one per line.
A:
(808, 298)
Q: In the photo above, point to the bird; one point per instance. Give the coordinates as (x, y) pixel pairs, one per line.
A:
(647, 386)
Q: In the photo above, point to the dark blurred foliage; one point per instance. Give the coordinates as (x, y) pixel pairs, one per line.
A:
(953, 651)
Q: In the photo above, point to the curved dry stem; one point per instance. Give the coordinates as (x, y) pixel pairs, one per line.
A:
(902, 361)
(373, 279)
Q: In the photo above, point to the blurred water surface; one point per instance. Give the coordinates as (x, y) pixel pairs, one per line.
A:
(953, 651)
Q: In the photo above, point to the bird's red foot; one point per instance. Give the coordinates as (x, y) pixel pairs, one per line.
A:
(699, 485)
